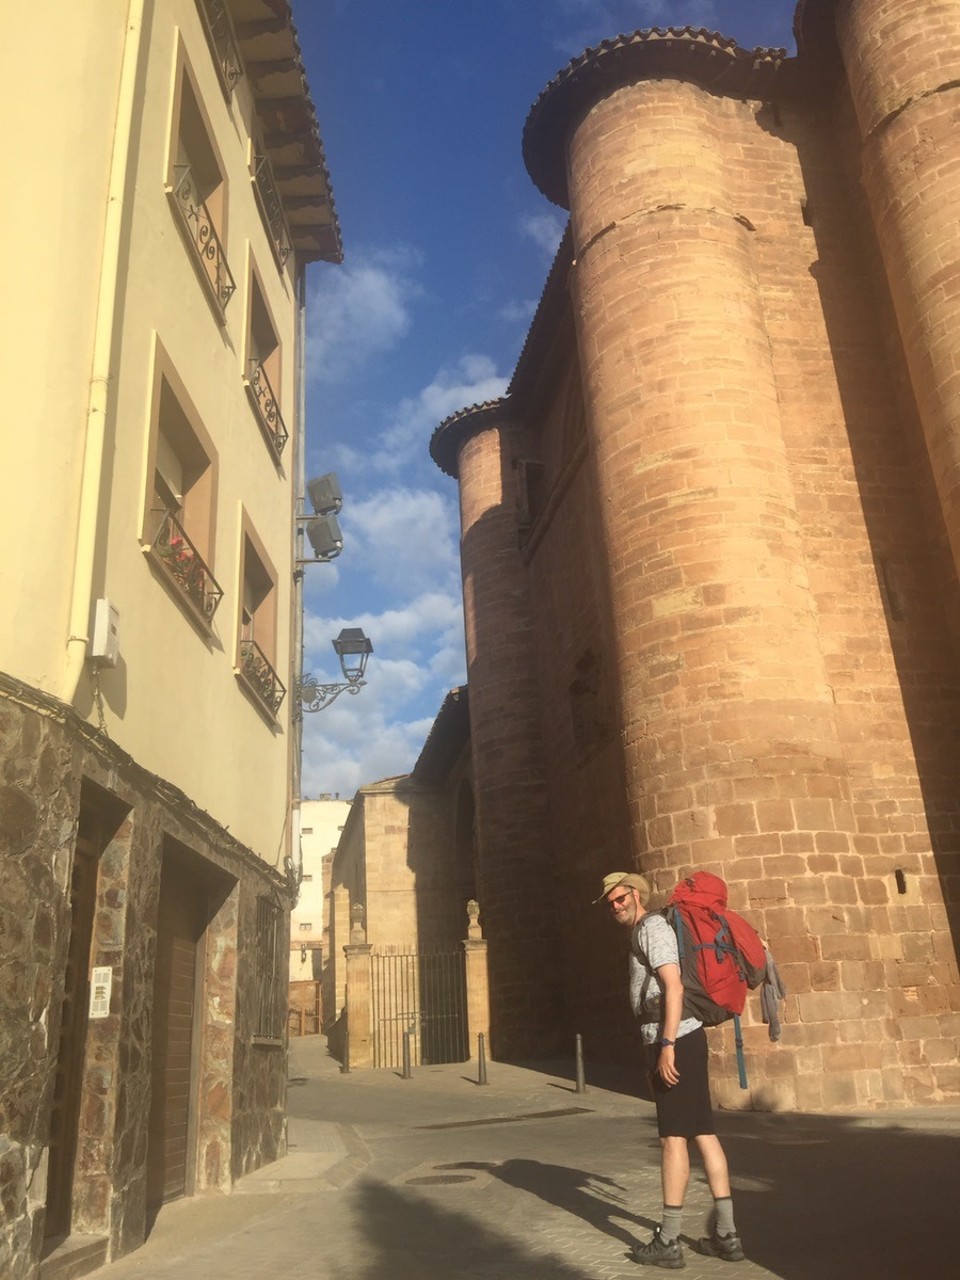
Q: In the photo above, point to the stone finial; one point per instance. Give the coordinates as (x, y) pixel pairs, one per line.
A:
(357, 931)
(473, 915)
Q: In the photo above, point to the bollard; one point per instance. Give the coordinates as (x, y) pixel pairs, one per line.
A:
(581, 1079)
(407, 1070)
(481, 1059)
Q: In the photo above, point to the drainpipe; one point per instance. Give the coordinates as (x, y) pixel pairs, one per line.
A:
(299, 472)
(89, 513)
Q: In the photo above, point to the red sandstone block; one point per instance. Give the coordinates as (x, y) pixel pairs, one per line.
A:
(797, 950)
(841, 890)
(845, 947)
(735, 819)
(765, 891)
(862, 975)
(783, 921)
(821, 863)
(796, 977)
(797, 842)
(919, 1028)
(775, 815)
(806, 890)
(751, 846)
(785, 865)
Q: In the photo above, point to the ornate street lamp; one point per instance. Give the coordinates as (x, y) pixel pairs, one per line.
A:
(353, 649)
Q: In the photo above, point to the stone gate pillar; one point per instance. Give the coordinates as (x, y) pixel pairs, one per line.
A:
(359, 996)
(477, 981)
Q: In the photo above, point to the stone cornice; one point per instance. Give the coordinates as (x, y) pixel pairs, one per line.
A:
(703, 57)
(449, 437)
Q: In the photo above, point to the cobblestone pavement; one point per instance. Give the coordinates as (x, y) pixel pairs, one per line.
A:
(524, 1179)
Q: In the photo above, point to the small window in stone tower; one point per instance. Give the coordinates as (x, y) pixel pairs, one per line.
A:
(530, 495)
(589, 705)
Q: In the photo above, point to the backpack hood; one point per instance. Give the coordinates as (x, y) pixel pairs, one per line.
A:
(702, 889)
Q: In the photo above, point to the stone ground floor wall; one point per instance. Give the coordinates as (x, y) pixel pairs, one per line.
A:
(78, 1141)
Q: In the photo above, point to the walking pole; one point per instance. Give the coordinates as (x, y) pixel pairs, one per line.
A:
(481, 1059)
(581, 1079)
(407, 1071)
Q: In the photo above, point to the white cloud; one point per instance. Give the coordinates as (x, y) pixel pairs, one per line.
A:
(545, 230)
(518, 312)
(471, 380)
(359, 310)
(404, 540)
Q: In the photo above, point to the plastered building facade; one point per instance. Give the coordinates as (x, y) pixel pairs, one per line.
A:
(177, 191)
(710, 544)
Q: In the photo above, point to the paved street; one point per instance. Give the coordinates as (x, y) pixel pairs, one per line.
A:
(437, 1176)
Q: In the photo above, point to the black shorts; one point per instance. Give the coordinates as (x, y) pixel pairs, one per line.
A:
(684, 1110)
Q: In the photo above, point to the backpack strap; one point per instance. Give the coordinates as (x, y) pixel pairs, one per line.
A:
(647, 976)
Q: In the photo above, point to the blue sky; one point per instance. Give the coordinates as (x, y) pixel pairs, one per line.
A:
(446, 248)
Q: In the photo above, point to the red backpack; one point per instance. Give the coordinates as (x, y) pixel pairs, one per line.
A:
(721, 955)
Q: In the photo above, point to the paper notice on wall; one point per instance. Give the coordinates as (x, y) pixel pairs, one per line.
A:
(101, 982)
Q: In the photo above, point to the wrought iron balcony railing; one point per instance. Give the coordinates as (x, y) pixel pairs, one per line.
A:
(271, 207)
(202, 234)
(259, 676)
(222, 41)
(268, 411)
(183, 564)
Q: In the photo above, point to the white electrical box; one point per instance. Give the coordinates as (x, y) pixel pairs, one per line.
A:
(101, 985)
(105, 641)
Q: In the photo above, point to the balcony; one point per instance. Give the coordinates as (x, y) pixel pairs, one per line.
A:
(258, 675)
(268, 411)
(223, 43)
(198, 226)
(184, 567)
(271, 208)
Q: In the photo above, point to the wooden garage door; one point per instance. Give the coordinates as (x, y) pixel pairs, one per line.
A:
(179, 928)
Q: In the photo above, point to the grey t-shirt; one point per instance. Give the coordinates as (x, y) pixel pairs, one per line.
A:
(658, 942)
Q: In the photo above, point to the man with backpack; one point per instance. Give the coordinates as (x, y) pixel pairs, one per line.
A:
(675, 1045)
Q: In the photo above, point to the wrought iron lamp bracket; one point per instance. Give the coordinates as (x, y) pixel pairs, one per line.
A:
(314, 697)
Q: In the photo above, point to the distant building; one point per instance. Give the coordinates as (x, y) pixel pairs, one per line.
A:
(710, 545)
(173, 188)
(321, 822)
(404, 869)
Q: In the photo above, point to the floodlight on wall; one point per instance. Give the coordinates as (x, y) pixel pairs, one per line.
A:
(323, 534)
(322, 528)
(353, 649)
(324, 494)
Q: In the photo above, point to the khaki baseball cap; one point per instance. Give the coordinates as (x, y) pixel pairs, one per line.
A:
(630, 880)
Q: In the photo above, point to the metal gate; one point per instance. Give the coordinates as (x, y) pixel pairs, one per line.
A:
(423, 992)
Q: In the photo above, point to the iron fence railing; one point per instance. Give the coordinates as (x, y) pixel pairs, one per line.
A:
(423, 993)
(271, 207)
(202, 234)
(185, 567)
(268, 411)
(222, 41)
(259, 676)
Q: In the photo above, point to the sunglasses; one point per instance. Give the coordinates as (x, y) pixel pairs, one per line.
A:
(616, 902)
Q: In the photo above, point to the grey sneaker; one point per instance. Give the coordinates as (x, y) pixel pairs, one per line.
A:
(659, 1253)
(728, 1247)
